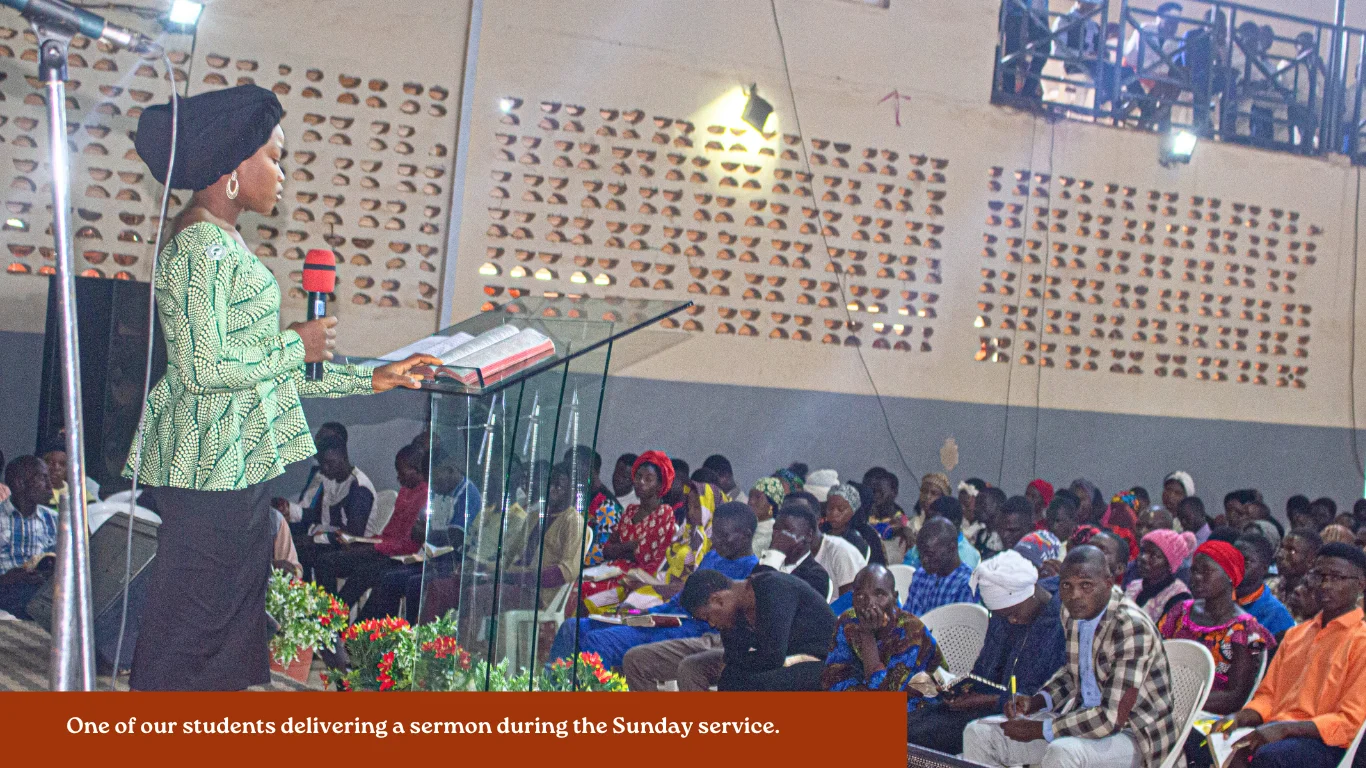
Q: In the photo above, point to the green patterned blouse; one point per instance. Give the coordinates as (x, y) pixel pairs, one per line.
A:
(227, 414)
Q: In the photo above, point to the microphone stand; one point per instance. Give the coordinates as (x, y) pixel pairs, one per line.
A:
(72, 660)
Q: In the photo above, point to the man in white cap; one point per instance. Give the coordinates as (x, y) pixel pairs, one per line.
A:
(1024, 639)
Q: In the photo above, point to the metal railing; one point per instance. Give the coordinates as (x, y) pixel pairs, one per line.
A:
(1221, 69)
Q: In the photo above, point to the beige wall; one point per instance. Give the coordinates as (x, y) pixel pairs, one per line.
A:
(686, 62)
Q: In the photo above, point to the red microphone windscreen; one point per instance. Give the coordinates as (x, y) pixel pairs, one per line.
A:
(320, 271)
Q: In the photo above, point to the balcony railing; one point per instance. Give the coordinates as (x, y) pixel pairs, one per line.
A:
(1223, 70)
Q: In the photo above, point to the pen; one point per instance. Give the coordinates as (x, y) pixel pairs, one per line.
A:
(1012, 686)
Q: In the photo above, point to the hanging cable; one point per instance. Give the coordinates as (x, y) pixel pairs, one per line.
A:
(820, 226)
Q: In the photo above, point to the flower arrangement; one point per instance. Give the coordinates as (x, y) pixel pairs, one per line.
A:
(308, 616)
(373, 647)
(592, 676)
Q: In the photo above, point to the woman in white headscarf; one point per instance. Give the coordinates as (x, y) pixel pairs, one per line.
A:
(1024, 640)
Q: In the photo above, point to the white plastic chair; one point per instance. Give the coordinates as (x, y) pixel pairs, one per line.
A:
(1261, 673)
(384, 509)
(830, 592)
(1352, 750)
(1192, 674)
(960, 629)
(516, 626)
(902, 574)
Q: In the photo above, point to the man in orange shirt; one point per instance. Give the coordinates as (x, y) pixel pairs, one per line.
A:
(1312, 702)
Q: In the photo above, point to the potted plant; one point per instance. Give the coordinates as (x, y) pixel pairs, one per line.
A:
(307, 618)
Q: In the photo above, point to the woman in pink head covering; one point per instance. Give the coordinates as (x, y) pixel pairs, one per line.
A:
(1160, 554)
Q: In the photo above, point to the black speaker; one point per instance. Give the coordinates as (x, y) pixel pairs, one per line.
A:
(107, 547)
(112, 320)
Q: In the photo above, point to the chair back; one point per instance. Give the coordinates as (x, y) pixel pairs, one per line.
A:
(1261, 673)
(903, 575)
(1352, 750)
(830, 592)
(960, 629)
(1192, 674)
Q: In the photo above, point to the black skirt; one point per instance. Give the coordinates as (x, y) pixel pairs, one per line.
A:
(204, 624)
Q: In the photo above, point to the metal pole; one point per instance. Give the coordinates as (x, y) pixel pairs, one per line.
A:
(1334, 89)
(72, 665)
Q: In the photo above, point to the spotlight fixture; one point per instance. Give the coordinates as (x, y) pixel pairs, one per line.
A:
(1177, 148)
(757, 109)
(506, 105)
(183, 16)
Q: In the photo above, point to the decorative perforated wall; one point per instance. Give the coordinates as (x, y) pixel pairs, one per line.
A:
(615, 202)
(368, 170)
(1086, 275)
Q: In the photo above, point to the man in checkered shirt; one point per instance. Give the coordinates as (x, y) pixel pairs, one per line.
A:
(27, 529)
(1109, 706)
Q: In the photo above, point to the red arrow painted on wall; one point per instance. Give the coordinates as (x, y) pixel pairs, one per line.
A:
(896, 97)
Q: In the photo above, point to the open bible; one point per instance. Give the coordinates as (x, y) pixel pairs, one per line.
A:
(488, 354)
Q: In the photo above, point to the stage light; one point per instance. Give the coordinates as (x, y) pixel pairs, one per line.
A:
(1177, 148)
(506, 105)
(184, 14)
(757, 109)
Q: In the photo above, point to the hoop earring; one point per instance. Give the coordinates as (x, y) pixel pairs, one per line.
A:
(233, 186)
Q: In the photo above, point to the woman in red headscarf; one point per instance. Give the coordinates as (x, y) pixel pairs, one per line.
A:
(641, 538)
(1214, 619)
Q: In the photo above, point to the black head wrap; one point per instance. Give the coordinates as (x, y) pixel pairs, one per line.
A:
(217, 131)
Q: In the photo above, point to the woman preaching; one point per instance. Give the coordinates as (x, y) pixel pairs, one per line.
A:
(226, 417)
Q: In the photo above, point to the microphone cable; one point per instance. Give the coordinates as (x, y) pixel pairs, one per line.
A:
(147, 373)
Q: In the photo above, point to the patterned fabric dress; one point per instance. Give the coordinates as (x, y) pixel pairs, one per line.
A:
(654, 534)
(1242, 630)
(603, 515)
(227, 414)
(905, 648)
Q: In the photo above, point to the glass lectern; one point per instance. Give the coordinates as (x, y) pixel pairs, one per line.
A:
(495, 434)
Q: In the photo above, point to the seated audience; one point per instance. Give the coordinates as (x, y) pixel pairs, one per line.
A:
(1311, 703)
(941, 578)
(1109, 705)
(1091, 503)
(836, 555)
(1176, 488)
(56, 462)
(988, 508)
(1293, 561)
(878, 646)
(775, 629)
(948, 508)
(1116, 551)
(28, 529)
(622, 486)
(1233, 637)
(1160, 555)
(880, 488)
(1039, 492)
(725, 476)
(1300, 512)
(329, 433)
(641, 538)
(765, 498)
(1062, 517)
(1337, 534)
(566, 540)
(283, 555)
(1190, 512)
(1043, 550)
(729, 555)
(968, 491)
(345, 505)
(1323, 510)
(1024, 640)
(1253, 595)
(838, 518)
(1013, 522)
(364, 565)
(796, 535)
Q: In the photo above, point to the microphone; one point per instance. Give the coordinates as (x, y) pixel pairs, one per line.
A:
(320, 279)
(66, 16)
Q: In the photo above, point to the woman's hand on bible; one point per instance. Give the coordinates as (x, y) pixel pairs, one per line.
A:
(620, 550)
(319, 337)
(409, 373)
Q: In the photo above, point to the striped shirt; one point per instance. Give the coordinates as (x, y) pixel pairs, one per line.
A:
(22, 538)
(227, 414)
